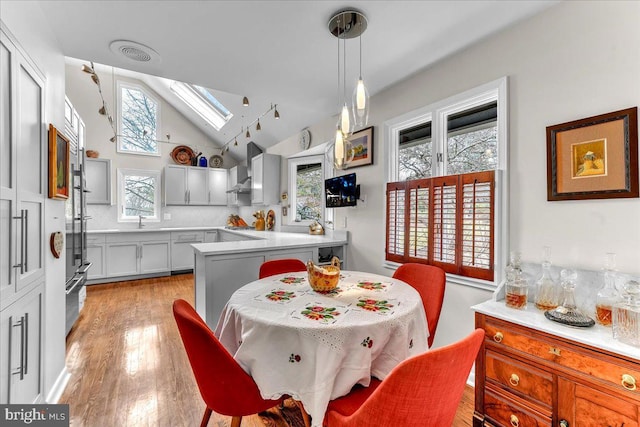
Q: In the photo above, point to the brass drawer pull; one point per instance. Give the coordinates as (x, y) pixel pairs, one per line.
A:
(514, 421)
(498, 337)
(514, 380)
(628, 382)
(555, 351)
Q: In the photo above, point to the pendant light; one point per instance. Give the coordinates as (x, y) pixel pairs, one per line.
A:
(360, 99)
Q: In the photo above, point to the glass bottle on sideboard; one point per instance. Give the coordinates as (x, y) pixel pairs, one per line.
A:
(516, 286)
(626, 315)
(608, 295)
(548, 292)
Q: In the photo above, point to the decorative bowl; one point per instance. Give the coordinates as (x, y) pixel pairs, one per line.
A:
(182, 155)
(92, 154)
(324, 279)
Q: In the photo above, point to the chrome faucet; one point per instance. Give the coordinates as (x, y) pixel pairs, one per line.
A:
(140, 224)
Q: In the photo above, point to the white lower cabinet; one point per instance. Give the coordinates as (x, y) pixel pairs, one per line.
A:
(130, 254)
(20, 348)
(96, 256)
(181, 250)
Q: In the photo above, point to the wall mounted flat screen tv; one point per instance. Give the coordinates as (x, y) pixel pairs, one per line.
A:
(341, 191)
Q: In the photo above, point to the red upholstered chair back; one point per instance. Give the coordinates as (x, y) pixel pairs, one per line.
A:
(430, 283)
(424, 390)
(279, 266)
(224, 385)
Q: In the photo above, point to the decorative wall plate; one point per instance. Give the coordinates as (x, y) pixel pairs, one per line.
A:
(182, 155)
(56, 241)
(215, 161)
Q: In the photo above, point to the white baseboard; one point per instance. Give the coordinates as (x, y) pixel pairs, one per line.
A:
(58, 387)
(471, 379)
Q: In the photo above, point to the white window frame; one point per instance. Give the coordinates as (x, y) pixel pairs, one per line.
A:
(126, 85)
(438, 113)
(293, 171)
(122, 173)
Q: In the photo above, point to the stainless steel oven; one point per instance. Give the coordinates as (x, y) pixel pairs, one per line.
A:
(76, 238)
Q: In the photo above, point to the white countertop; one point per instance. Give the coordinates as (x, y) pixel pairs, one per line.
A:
(147, 229)
(269, 240)
(597, 336)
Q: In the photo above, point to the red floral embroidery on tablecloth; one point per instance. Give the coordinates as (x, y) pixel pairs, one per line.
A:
(371, 286)
(367, 342)
(294, 358)
(317, 312)
(280, 295)
(374, 304)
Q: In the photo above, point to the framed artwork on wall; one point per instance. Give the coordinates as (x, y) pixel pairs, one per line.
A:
(594, 158)
(58, 164)
(362, 143)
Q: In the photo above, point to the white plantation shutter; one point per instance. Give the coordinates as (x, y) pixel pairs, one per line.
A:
(444, 221)
(395, 221)
(418, 238)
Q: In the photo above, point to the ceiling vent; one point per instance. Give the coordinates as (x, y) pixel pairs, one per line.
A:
(135, 51)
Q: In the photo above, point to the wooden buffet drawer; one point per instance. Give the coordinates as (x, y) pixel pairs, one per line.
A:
(577, 360)
(524, 380)
(502, 410)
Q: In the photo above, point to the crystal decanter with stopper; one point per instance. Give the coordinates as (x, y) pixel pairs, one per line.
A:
(516, 286)
(548, 292)
(626, 315)
(608, 296)
(567, 313)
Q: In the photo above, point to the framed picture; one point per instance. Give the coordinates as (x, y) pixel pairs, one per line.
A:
(58, 164)
(594, 158)
(362, 143)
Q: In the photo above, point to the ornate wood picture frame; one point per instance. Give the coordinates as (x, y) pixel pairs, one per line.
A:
(594, 158)
(362, 143)
(58, 164)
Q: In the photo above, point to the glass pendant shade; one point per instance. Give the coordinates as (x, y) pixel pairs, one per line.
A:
(341, 151)
(345, 124)
(360, 104)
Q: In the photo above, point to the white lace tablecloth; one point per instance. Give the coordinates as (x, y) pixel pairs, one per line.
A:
(316, 347)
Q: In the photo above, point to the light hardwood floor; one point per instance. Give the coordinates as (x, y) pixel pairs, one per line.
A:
(128, 366)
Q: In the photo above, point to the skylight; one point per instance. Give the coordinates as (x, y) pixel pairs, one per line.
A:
(200, 100)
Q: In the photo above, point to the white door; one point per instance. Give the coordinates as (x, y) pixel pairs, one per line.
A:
(217, 187)
(122, 259)
(198, 186)
(175, 185)
(154, 257)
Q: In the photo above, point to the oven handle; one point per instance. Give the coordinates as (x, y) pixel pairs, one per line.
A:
(76, 282)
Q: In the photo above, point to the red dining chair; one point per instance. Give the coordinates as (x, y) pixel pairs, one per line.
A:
(225, 387)
(422, 391)
(430, 283)
(279, 266)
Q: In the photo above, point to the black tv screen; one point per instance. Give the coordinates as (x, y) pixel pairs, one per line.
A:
(341, 191)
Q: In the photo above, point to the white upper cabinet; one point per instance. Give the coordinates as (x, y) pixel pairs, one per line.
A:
(193, 185)
(265, 179)
(218, 187)
(98, 176)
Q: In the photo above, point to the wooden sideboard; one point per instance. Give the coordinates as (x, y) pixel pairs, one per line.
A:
(526, 377)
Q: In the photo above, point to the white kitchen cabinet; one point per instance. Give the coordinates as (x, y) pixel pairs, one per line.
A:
(186, 185)
(23, 155)
(132, 254)
(218, 187)
(20, 352)
(181, 250)
(211, 236)
(96, 256)
(265, 179)
(98, 176)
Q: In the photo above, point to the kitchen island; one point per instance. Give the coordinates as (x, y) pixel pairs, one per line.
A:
(225, 266)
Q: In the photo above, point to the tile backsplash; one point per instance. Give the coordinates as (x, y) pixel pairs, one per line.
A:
(106, 217)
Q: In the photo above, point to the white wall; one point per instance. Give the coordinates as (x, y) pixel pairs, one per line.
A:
(83, 94)
(575, 60)
(31, 28)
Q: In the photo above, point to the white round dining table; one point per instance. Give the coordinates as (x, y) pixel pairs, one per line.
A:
(314, 346)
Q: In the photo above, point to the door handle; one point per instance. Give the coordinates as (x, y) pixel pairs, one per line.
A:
(20, 369)
(26, 239)
(76, 282)
(21, 265)
(25, 328)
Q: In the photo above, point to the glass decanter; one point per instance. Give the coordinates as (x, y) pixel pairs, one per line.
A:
(548, 292)
(626, 315)
(516, 286)
(567, 313)
(608, 295)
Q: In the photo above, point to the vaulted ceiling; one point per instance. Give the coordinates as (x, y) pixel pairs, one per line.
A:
(276, 52)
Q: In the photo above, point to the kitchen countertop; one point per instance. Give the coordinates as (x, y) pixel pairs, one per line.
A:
(597, 336)
(269, 240)
(150, 229)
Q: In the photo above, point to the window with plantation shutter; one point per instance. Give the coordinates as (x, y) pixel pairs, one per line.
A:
(395, 221)
(445, 221)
